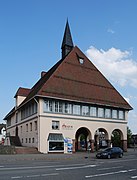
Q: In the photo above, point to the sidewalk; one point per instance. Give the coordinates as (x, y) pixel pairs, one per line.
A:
(55, 157)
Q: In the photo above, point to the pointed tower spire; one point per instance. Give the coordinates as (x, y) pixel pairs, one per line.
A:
(67, 43)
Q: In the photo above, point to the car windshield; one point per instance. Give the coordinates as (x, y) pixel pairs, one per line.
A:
(108, 149)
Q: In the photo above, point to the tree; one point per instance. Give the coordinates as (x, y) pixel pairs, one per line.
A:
(129, 135)
(116, 138)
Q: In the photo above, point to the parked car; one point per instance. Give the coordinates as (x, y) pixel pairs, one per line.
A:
(110, 153)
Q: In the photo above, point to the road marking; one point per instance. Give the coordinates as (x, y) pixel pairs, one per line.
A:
(122, 160)
(53, 174)
(37, 167)
(110, 173)
(134, 177)
(80, 167)
(17, 177)
(132, 170)
(110, 168)
(35, 176)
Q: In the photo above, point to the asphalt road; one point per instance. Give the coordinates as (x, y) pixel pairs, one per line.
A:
(80, 166)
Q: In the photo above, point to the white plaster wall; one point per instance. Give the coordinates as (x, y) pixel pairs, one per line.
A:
(76, 123)
(19, 100)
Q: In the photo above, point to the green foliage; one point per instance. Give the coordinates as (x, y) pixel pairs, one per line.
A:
(129, 134)
(116, 139)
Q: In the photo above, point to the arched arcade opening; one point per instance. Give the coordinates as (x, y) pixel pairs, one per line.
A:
(117, 138)
(82, 137)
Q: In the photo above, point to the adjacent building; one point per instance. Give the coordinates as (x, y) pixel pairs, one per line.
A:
(71, 107)
(2, 133)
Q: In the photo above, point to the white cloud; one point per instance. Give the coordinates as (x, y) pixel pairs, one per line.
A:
(111, 31)
(116, 65)
(132, 123)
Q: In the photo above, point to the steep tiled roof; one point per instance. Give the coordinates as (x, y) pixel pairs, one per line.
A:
(9, 114)
(22, 92)
(2, 126)
(71, 80)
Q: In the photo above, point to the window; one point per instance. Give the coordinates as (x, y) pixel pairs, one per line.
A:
(29, 140)
(21, 129)
(56, 142)
(22, 140)
(81, 60)
(68, 108)
(28, 110)
(58, 107)
(85, 110)
(35, 107)
(35, 125)
(114, 114)
(8, 122)
(33, 140)
(55, 125)
(26, 140)
(30, 126)
(101, 112)
(121, 114)
(16, 117)
(26, 127)
(93, 111)
(76, 109)
(48, 107)
(107, 113)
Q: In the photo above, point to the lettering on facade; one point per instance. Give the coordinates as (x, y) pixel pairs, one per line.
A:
(67, 127)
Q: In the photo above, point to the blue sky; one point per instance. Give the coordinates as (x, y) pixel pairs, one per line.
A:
(31, 33)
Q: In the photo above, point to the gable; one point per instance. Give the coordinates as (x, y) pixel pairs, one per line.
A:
(81, 82)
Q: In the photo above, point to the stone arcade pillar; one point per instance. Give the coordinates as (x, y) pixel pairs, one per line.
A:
(124, 144)
(73, 146)
(92, 146)
(109, 143)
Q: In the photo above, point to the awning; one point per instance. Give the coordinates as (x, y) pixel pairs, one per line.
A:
(55, 137)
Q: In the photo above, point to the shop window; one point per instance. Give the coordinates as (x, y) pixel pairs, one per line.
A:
(56, 142)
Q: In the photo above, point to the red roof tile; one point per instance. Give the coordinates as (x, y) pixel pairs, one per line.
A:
(70, 80)
(22, 92)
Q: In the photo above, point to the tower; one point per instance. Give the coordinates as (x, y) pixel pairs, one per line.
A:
(67, 43)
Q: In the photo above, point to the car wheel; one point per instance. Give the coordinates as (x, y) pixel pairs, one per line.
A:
(121, 155)
(109, 156)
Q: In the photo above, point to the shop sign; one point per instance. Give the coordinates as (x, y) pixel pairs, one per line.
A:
(67, 127)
